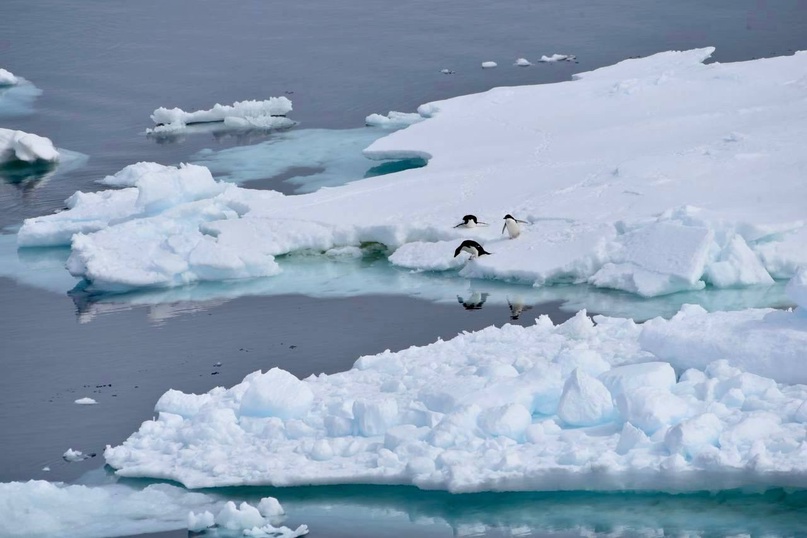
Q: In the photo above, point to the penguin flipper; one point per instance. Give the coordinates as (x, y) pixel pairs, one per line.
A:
(503, 227)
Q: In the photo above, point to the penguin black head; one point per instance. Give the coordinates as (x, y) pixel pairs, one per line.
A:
(469, 221)
(509, 216)
(471, 247)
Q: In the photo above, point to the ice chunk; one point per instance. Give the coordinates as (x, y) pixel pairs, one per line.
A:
(86, 401)
(737, 266)
(509, 420)
(244, 516)
(270, 507)
(74, 455)
(651, 408)
(200, 522)
(7, 78)
(558, 58)
(268, 113)
(585, 401)
(523, 62)
(694, 436)
(488, 65)
(25, 147)
(633, 376)
(393, 120)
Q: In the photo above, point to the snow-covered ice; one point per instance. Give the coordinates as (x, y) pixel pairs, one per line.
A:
(701, 402)
(85, 401)
(268, 114)
(25, 147)
(523, 62)
(7, 78)
(489, 65)
(705, 190)
(73, 456)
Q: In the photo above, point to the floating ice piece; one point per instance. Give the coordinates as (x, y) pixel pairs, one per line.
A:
(268, 114)
(489, 65)
(447, 71)
(515, 408)
(85, 401)
(25, 147)
(558, 58)
(201, 521)
(393, 120)
(7, 78)
(74, 455)
(523, 62)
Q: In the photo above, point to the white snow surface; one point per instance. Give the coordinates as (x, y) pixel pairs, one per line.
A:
(699, 402)
(7, 78)
(625, 183)
(25, 147)
(268, 114)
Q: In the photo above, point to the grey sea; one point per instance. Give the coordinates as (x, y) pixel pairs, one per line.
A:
(104, 65)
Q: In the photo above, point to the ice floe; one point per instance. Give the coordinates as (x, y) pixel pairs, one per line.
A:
(85, 401)
(705, 190)
(268, 114)
(7, 78)
(489, 65)
(701, 402)
(523, 62)
(25, 147)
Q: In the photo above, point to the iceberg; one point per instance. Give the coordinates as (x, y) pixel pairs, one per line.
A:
(268, 114)
(700, 402)
(624, 185)
(25, 147)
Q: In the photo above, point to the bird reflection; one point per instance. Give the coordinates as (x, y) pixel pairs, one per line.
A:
(474, 302)
(517, 306)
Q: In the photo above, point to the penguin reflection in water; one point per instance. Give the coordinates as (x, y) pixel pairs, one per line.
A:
(470, 221)
(517, 306)
(511, 224)
(471, 247)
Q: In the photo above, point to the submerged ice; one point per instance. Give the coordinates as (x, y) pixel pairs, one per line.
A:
(704, 191)
(700, 402)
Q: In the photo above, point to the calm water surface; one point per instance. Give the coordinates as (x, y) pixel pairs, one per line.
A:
(104, 65)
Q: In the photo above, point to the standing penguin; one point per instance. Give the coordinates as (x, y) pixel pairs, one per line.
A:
(470, 221)
(471, 247)
(511, 224)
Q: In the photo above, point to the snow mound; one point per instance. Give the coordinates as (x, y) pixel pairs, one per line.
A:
(705, 191)
(7, 78)
(577, 406)
(25, 147)
(268, 114)
(393, 120)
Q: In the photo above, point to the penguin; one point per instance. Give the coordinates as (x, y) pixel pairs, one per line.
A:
(517, 306)
(511, 224)
(475, 302)
(471, 247)
(470, 221)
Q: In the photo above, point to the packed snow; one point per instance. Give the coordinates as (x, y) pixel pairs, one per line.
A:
(268, 114)
(39, 508)
(25, 147)
(7, 78)
(489, 65)
(85, 401)
(705, 190)
(698, 402)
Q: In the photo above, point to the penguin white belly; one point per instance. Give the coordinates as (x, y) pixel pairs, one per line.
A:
(512, 228)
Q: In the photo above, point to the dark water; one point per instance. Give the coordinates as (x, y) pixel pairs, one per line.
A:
(104, 65)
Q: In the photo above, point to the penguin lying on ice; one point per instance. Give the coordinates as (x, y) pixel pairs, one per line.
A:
(471, 247)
